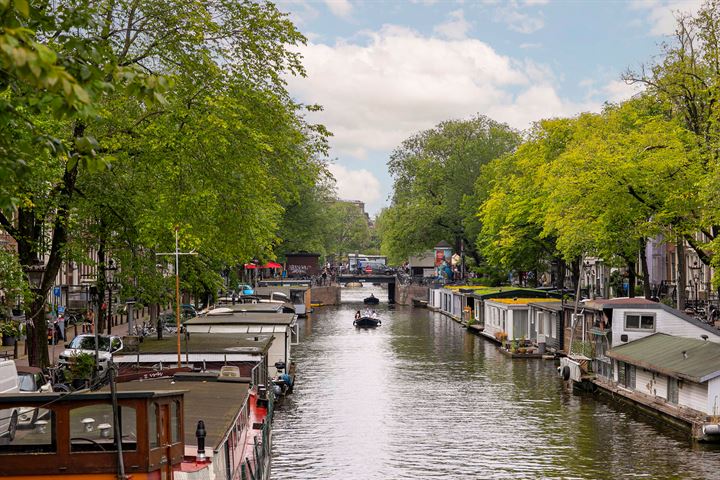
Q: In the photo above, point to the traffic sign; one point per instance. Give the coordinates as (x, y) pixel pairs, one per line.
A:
(61, 309)
(56, 291)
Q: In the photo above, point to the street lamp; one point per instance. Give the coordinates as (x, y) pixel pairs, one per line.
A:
(110, 280)
(35, 274)
(696, 276)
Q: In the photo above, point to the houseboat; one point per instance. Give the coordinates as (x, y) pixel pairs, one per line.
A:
(673, 377)
(198, 352)
(296, 294)
(185, 428)
(282, 327)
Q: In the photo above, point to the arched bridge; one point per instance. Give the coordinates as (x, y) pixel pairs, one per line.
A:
(391, 280)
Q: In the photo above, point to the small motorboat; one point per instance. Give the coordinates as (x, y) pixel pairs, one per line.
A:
(418, 303)
(371, 300)
(367, 322)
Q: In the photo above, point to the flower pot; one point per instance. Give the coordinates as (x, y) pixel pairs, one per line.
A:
(8, 341)
(79, 383)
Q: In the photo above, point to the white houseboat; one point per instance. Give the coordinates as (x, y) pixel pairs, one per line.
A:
(674, 376)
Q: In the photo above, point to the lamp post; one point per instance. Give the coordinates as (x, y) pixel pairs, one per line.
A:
(110, 280)
(696, 277)
(177, 254)
(35, 275)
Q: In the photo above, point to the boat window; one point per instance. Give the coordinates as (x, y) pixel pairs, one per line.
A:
(92, 430)
(153, 414)
(639, 322)
(34, 432)
(175, 420)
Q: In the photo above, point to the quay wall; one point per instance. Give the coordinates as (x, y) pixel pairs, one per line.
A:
(404, 294)
(328, 295)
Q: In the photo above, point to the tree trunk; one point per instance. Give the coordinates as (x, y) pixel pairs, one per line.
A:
(632, 276)
(101, 286)
(645, 269)
(681, 279)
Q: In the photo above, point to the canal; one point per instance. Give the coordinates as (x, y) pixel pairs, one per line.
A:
(420, 398)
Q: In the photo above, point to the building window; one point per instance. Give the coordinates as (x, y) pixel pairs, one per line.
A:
(672, 390)
(636, 321)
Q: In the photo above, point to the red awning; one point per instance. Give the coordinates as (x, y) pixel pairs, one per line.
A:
(252, 266)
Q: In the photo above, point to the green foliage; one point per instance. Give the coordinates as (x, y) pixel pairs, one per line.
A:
(434, 174)
(10, 329)
(81, 367)
(13, 283)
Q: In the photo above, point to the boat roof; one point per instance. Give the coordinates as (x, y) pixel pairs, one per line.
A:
(545, 304)
(243, 318)
(524, 301)
(679, 357)
(483, 292)
(209, 343)
(263, 307)
(217, 403)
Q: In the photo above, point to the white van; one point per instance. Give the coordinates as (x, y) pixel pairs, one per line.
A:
(9, 383)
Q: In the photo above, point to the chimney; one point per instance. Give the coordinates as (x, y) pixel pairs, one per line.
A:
(200, 434)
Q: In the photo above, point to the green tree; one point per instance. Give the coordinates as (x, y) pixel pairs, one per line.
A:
(511, 195)
(685, 82)
(209, 156)
(434, 174)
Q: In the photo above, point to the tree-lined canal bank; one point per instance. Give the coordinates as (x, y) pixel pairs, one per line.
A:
(421, 398)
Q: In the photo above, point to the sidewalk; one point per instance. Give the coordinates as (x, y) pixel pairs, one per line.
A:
(54, 351)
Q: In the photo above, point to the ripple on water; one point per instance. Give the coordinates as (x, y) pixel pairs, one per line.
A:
(419, 398)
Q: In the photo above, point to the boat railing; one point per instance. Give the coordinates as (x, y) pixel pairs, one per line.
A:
(258, 467)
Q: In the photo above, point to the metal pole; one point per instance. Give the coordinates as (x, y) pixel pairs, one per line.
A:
(177, 294)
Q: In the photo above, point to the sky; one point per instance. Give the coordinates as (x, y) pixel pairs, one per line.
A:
(386, 70)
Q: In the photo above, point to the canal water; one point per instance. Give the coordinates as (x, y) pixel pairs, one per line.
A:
(420, 398)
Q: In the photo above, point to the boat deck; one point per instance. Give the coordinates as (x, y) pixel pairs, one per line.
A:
(217, 403)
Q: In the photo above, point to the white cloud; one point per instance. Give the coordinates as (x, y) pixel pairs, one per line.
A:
(341, 8)
(661, 13)
(518, 21)
(360, 184)
(617, 91)
(301, 11)
(396, 82)
(529, 45)
(455, 28)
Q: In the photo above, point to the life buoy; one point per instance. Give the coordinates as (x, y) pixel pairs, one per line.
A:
(565, 373)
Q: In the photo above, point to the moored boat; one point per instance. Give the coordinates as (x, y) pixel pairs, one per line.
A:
(190, 427)
(371, 300)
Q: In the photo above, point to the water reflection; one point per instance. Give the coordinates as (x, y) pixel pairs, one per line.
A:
(420, 398)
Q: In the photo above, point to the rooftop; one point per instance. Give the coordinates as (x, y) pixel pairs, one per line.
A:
(679, 357)
(264, 307)
(217, 403)
(209, 343)
(243, 318)
(525, 301)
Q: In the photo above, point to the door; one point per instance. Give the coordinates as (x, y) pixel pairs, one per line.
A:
(163, 422)
(672, 390)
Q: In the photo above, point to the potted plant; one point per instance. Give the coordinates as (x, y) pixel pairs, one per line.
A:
(80, 370)
(10, 333)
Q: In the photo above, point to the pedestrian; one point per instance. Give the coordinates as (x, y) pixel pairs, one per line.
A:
(89, 325)
(61, 327)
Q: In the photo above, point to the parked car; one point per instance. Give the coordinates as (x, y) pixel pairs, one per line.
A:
(107, 345)
(245, 289)
(376, 268)
(187, 311)
(8, 384)
(31, 380)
